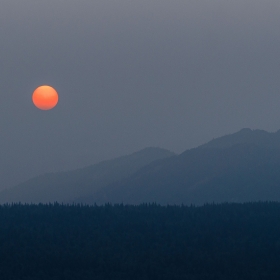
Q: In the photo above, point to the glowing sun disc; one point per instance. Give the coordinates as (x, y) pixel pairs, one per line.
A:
(45, 97)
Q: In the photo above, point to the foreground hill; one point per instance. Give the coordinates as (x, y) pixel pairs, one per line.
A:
(228, 241)
(67, 186)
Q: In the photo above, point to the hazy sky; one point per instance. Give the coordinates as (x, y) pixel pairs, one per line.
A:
(132, 74)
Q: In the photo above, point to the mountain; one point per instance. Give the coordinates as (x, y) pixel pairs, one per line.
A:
(240, 167)
(237, 174)
(67, 186)
(261, 138)
(243, 166)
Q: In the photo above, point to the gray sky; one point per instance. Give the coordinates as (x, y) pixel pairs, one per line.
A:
(132, 74)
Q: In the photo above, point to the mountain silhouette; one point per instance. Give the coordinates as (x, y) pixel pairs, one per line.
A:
(237, 174)
(67, 186)
(234, 168)
(258, 137)
(243, 166)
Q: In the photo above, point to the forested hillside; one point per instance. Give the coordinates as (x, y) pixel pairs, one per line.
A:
(226, 241)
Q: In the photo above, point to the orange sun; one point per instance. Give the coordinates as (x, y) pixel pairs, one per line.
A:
(45, 97)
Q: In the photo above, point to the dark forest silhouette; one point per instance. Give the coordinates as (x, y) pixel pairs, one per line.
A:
(226, 241)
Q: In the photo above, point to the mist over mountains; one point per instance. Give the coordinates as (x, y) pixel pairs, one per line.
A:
(239, 167)
(65, 187)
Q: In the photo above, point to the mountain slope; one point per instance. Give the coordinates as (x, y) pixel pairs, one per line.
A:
(237, 174)
(67, 186)
(240, 167)
(258, 137)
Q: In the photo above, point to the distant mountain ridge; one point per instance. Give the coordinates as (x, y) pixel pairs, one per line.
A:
(240, 167)
(258, 137)
(67, 186)
(237, 174)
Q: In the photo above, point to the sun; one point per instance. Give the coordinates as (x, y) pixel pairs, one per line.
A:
(45, 97)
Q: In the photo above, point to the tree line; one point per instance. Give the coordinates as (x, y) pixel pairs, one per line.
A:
(148, 241)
